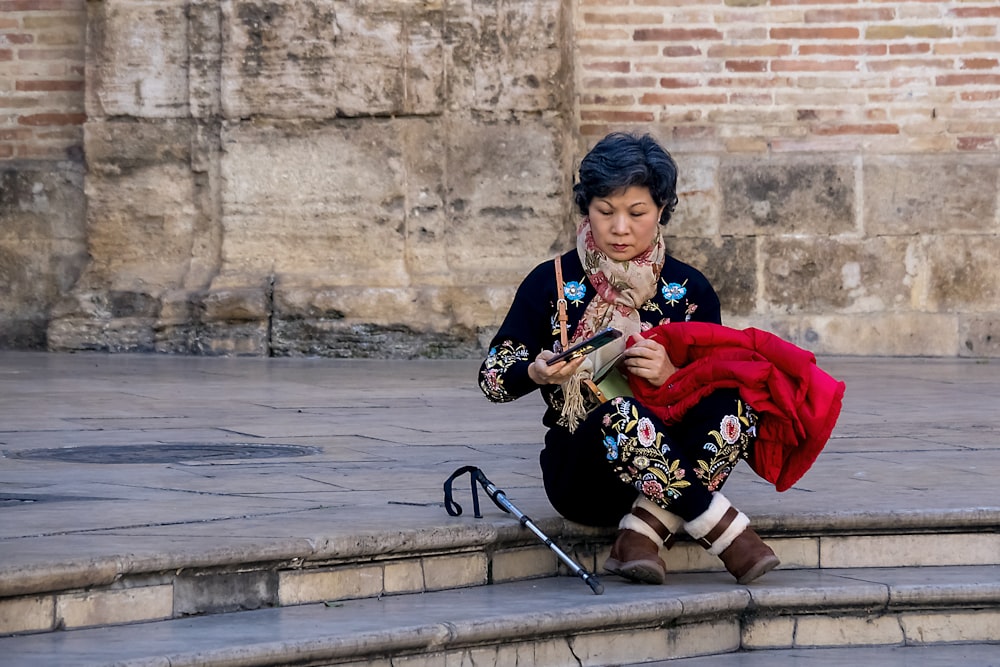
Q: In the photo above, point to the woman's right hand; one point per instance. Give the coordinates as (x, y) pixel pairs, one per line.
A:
(541, 373)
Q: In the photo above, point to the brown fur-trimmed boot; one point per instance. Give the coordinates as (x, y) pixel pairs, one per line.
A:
(635, 554)
(725, 532)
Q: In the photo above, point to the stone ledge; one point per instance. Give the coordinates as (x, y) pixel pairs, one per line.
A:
(35, 575)
(350, 567)
(558, 621)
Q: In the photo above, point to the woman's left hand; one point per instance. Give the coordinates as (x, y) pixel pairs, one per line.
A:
(648, 359)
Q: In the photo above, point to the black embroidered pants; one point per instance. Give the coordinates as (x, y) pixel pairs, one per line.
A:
(622, 449)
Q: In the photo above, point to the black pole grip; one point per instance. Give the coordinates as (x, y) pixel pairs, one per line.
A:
(453, 508)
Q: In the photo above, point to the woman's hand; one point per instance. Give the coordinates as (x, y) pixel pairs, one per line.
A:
(648, 359)
(541, 373)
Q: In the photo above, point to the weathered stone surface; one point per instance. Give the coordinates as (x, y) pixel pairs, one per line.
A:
(728, 263)
(793, 196)
(315, 205)
(863, 334)
(141, 229)
(137, 59)
(34, 274)
(697, 212)
(217, 322)
(390, 222)
(120, 148)
(930, 194)
(40, 203)
(337, 339)
(442, 572)
(204, 58)
(367, 322)
(214, 339)
(374, 178)
(331, 58)
(27, 614)
(979, 336)
(307, 586)
(508, 55)
(966, 627)
(508, 199)
(444, 322)
(102, 335)
(141, 205)
(824, 275)
(243, 305)
(145, 603)
(964, 273)
(42, 246)
(224, 592)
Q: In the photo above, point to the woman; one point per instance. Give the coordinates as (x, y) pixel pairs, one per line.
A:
(615, 462)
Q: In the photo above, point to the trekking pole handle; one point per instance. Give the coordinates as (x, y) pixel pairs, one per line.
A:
(453, 508)
(498, 496)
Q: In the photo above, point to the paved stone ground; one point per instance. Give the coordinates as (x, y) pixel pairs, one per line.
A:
(917, 438)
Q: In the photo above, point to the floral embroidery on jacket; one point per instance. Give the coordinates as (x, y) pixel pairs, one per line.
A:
(673, 292)
(498, 361)
(729, 444)
(639, 453)
(651, 307)
(575, 292)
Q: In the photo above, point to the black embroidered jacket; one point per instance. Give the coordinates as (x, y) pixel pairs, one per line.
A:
(683, 294)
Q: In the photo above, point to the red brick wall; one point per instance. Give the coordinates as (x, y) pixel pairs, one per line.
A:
(793, 75)
(41, 78)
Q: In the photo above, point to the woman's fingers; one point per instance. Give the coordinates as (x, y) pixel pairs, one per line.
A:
(648, 359)
(542, 373)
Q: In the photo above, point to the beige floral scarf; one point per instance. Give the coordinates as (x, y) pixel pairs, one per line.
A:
(621, 288)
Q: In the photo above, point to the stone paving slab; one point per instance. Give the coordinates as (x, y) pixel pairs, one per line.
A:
(555, 617)
(917, 438)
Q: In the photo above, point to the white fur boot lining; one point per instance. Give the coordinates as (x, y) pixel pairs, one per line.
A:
(703, 524)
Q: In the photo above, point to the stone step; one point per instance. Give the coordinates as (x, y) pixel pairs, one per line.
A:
(559, 621)
(928, 655)
(119, 589)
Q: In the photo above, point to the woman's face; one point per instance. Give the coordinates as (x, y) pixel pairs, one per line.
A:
(624, 223)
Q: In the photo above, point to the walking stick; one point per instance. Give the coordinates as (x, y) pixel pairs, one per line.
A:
(500, 499)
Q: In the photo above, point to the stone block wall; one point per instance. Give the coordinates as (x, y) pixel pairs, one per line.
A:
(327, 177)
(374, 177)
(42, 227)
(840, 162)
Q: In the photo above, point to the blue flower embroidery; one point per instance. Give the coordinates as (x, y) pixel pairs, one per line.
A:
(575, 291)
(673, 292)
(612, 446)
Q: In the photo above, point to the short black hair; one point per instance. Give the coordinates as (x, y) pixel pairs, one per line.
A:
(621, 160)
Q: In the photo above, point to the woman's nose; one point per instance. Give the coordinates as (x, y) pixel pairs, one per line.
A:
(619, 224)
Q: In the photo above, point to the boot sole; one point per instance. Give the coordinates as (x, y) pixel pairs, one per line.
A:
(643, 571)
(759, 569)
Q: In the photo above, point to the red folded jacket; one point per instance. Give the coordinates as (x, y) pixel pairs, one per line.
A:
(798, 403)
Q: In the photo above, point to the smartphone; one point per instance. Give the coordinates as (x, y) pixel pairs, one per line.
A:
(600, 339)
